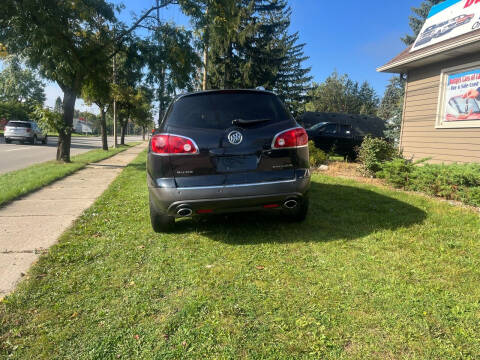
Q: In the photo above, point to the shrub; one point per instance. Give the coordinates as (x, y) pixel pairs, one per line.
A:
(454, 182)
(373, 153)
(447, 181)
(397, 172)
(317, 156)
(471, 196)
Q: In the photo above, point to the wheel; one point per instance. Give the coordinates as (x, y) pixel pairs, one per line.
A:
(33, 141)
(7, 141)
(45, 140)
(160, 222)
(299, 214)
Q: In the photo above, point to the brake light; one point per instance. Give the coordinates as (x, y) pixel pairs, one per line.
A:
(28, 130)
(169, 144)
(292, 138)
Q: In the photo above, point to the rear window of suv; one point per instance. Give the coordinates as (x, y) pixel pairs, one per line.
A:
(19, 124)
(218, 110)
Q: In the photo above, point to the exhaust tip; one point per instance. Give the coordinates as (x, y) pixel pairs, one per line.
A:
(184, 212)
(290, 204)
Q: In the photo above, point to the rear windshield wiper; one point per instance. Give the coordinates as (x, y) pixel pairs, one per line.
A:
(248, 122)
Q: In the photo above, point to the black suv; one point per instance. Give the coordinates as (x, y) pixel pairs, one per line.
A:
(227, 151)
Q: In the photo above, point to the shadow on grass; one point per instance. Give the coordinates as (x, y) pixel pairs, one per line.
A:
(337, 212)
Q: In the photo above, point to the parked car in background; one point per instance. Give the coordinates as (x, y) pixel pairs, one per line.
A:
(227, 151)
(341, 133)
(24, 131)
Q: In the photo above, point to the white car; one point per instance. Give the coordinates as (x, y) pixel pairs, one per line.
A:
(24, 131)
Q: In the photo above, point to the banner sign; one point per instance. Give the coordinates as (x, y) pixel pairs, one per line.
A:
(447, 20)
(462, 97)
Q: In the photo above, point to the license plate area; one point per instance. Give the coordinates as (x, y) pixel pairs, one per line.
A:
(229, 164)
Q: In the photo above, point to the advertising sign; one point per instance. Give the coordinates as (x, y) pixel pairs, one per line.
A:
(447, 20)
(461, 104)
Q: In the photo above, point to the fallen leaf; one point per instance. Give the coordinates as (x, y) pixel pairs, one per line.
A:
(260, 267)
(137, 337)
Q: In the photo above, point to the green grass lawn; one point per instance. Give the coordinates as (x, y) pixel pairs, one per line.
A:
(20, 182)
(371, 274)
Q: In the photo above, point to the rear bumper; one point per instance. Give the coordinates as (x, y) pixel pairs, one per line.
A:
(16, 137)
(229, 198)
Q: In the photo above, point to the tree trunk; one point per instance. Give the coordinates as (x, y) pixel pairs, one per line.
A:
(143, 133)
(103, 126)
(124, 129)
(65, 133)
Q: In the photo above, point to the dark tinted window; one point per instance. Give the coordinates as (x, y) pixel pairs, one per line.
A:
(330, 129)
(345, 130)
(19, 124)
(218, 110)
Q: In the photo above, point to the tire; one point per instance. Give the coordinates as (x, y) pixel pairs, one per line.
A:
(33, 141)
(7, 141)
(299, 214)
(45, 140)
(160, 222)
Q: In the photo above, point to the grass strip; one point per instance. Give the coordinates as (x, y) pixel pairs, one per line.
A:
(371, 274)
(20, 182)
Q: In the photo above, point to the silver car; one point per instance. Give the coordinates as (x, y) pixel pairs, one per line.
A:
(24, 131)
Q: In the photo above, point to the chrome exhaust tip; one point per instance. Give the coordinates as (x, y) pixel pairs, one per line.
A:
(290, 204)
(184, 212)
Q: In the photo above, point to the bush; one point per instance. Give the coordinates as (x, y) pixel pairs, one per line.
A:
(447, 181)
(397, 172)
(373, 153)
(317, 156)
(454, 182)
(471, 196)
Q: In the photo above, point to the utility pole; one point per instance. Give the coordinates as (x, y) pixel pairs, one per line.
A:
(205, 55)
(115, 142)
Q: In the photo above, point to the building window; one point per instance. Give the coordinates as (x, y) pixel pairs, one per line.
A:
(459, 97)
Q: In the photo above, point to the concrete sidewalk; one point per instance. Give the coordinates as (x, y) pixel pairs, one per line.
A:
(30, 225)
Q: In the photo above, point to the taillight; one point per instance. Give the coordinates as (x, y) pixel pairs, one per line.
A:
(28, 130)
(292, 138)
(169, 144)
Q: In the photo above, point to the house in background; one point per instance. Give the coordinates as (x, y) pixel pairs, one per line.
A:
(441, 117)
(82, 126)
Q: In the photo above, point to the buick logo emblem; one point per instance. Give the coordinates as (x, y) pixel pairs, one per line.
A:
(235, 137)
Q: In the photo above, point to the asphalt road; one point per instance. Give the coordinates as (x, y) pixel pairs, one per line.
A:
(16, 156)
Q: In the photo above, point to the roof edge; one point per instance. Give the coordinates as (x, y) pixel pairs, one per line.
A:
(434, 50)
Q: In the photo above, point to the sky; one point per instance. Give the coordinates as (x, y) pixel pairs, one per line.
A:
(349, 36)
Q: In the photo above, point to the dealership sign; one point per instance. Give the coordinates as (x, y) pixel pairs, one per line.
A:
(460, 97)
(448, 20)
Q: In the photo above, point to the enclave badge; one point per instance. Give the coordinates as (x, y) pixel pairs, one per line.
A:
(235, 137)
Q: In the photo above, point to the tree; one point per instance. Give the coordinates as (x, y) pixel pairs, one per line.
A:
(67, 41)
(343, 95)
(58, 107)
(246, 44)
(64, 40)
(418, 18)
(142, 110)
(391, 107)
(129, 75)
(98, 90)
(171, 60)
(292, 79)
(20, 84)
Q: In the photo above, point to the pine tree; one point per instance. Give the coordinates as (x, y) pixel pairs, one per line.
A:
(391, 107)
(58, 108)
(418, 19)
(292, 79)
